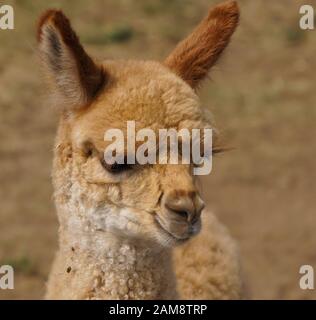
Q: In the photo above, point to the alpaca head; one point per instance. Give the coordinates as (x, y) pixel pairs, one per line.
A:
(158, 202)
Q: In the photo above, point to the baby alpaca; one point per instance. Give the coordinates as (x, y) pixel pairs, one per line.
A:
(125, 230)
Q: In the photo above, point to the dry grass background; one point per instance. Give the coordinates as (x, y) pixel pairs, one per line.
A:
(262, 94)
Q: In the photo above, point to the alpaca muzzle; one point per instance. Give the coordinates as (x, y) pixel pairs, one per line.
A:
(181, 212)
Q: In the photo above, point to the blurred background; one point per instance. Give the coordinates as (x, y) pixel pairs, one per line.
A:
(262, 94)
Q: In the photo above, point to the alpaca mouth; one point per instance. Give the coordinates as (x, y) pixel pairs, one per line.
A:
(176, 238)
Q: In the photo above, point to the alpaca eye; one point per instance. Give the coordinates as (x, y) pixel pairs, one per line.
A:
(116, 167)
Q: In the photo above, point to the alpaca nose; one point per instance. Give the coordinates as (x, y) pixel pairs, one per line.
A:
(187, 205)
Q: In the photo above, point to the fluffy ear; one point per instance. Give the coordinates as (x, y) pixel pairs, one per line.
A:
(195, 55)
(74, 76)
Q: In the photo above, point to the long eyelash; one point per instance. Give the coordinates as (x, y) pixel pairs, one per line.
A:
(220, 149)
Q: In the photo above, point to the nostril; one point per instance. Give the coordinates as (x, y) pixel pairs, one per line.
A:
(184, 207)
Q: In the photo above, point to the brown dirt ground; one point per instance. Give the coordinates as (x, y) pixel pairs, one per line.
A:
(262, 95)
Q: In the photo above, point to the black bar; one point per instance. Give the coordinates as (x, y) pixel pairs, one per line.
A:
(198, 309)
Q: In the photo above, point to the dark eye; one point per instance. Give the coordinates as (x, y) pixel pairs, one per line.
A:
(116, 167)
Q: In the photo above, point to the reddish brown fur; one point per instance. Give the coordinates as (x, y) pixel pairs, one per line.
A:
(195, 55)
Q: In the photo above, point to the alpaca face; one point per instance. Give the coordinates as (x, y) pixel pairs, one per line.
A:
(157, 202)
(160, 201)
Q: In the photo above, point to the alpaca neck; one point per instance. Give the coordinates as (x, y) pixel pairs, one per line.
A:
(114, 267)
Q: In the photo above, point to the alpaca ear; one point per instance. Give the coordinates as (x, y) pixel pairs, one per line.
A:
(195, 55)
(75, 78)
